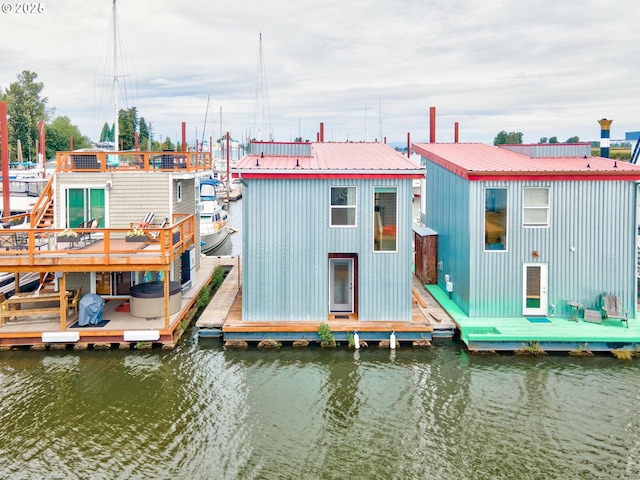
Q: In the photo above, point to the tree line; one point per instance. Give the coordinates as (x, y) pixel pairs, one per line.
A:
(26, 107)
(511, 138)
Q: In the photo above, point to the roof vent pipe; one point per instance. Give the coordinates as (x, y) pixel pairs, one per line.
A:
(321, 132)
(432, 125)
(408, 144)
(605, 134)
(455, 132)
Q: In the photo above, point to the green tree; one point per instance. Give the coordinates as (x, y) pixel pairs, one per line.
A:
(575, 139)
(144, 134)
(106, 135)
(128, 123)
(167, 145)
(58, 135)
(25, 108)
(553, 140)
(543, 140)
(508, 138)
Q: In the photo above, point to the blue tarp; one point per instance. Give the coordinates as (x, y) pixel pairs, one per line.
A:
(90, 310)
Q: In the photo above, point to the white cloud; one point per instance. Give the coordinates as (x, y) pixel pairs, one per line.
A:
(543, 68)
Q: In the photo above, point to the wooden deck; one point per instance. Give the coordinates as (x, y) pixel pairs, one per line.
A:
(223, 317)
(122, 330)
(553, 334)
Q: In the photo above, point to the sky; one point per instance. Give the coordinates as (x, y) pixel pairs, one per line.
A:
(368, 70)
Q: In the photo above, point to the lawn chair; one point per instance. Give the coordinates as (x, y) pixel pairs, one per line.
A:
(612, 309)
(148, 218)
(84, 237)
(153, 236)
(75, 299)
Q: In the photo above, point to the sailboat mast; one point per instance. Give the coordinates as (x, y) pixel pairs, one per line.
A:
(116, 132)
(261, 101)
(206, 114)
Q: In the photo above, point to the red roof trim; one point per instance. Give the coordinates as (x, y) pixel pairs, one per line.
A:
(557, 177)
(332, 176)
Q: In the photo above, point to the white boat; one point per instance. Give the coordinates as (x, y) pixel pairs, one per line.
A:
(234, 192)
(214, 220)
(23, 193)
(28, 281)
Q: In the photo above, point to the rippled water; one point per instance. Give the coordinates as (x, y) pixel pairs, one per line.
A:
(201, 411)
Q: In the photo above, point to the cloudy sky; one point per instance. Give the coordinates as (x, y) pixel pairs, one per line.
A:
(367, 69)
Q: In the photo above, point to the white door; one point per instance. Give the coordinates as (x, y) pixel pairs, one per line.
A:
(534, 300)
(341, 285)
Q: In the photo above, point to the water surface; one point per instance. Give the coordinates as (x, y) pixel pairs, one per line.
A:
(201, 411)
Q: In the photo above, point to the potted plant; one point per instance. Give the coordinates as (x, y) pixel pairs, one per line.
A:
(136, 234)
(67, 235)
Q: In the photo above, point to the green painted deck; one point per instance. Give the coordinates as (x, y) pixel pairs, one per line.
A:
(559, 334)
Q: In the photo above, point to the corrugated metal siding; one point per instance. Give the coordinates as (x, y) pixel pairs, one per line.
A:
(551, 150)
(287, 239)
(281, 149)
(597, 218)
(448, 213)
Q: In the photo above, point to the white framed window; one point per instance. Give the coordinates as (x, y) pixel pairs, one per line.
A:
(495, 219)
(343, 206)
(385, 219)
(535, 207)
(178, 192)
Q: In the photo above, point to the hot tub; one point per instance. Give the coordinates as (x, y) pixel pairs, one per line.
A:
(147, 299)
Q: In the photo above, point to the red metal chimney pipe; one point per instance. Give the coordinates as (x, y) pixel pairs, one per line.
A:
(455, 132)
(4, 133)
(432, 125)
(43, 149)
(408, 144)
(321, 132)
(184, 136)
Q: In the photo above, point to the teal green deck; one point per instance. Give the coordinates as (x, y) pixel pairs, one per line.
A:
(560, 334)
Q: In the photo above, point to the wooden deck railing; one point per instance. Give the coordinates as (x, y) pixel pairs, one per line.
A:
(53, 249)
(133, 160)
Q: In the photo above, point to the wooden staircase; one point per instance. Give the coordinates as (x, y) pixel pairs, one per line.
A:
(42, 212)
(47, 282)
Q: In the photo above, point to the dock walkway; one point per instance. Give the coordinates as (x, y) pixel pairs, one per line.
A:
(544, 334)
(214, 315)
(223, 317)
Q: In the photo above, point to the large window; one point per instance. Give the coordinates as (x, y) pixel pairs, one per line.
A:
(385, 220)
(495, 219)
(535, 207)
(83, 205)
(343, 206)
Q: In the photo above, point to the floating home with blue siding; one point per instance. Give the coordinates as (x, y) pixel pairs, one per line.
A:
(327, 232)
(524, 236)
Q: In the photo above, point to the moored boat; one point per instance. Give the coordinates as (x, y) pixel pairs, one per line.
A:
(214, 219)
(28, 281)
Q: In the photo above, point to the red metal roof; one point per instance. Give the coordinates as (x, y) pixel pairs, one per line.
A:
(477, 161)
(333, 160)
